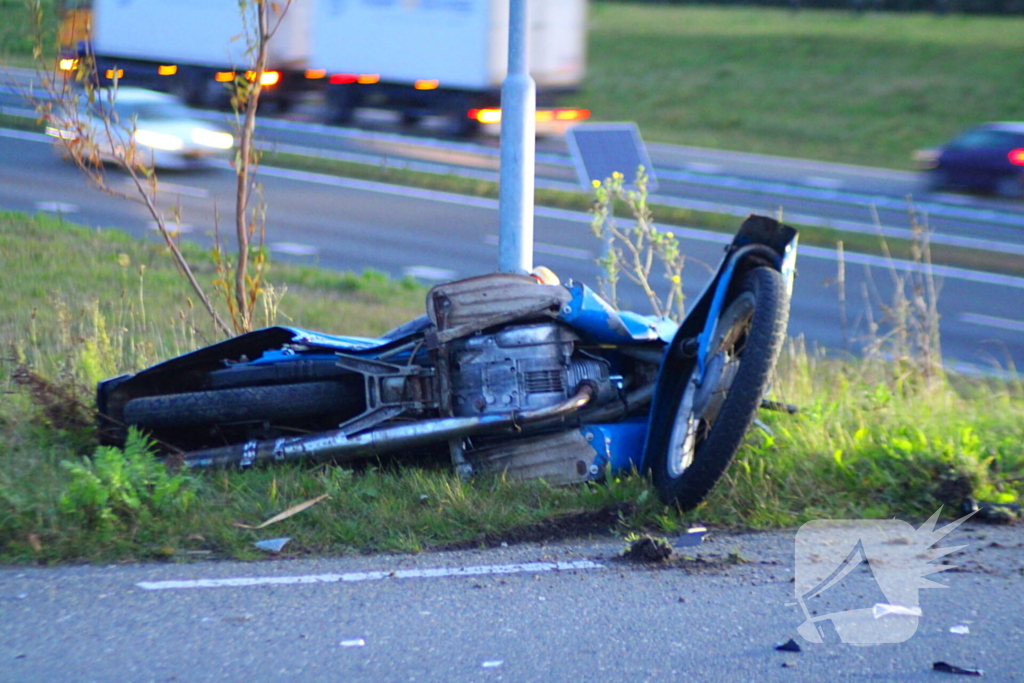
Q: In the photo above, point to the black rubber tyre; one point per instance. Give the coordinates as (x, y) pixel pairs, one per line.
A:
(709, 426)
(277, 404)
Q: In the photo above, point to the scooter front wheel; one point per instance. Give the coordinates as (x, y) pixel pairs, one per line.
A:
(712, 416)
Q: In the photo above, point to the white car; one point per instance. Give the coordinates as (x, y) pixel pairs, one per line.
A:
(156, 129)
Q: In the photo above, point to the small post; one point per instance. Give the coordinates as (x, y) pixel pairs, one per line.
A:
(518, 142)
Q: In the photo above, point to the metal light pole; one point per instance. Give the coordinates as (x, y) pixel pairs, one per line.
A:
(518, 141)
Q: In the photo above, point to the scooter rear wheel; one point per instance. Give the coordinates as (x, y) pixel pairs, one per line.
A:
(712, 419)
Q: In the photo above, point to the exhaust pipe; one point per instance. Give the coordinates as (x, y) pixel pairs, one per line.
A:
(338, 445)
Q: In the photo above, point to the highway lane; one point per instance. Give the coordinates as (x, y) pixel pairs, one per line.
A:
(833, 195)
(351, 224)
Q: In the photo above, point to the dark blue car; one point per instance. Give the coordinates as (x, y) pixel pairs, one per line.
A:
(986, 158)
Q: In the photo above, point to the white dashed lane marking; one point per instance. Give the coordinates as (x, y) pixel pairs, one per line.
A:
(56, 207)
(429, 273)
(293, 248)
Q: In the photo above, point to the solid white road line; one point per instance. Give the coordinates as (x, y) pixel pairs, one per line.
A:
(438, 572)
(993, 321)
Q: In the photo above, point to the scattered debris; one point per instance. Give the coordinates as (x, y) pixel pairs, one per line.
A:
(59, 403)
(788, 646)
(493, 665)
(272, 545)
(789, 664)
(992, 513)
(693, 536)
(294, 510)
(960, 629)
(950, 669)
(35, 543)
(647, 549)
(882, 609)
(355, 642)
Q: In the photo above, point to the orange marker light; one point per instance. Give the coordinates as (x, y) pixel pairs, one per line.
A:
(369, 79)
(224, 76)
(111, 74)
(316, 73)
(167, 70)
(572, 114)
(426, 84)
(68, 64)
(268, 78)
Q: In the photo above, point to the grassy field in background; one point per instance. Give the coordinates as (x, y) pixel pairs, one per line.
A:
(875, 437)
(831, 85)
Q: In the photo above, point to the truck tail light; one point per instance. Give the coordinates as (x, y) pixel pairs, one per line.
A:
(342, 79)
(485, 115)
(68, 64)
(1016, 157)
(167, 69)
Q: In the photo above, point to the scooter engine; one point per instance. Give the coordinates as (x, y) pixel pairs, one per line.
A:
(522, 368)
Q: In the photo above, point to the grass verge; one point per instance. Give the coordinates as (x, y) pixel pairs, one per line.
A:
(819, 84)
(874, 438)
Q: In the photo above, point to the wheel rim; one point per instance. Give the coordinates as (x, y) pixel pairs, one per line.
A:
(700, 405)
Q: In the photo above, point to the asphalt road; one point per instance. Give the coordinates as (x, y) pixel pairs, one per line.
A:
(350, 224)
(483, 616)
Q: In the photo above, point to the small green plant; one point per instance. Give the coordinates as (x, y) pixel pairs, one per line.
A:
(116, 490)
(636, 252)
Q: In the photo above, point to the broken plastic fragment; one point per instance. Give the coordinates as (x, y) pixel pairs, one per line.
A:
(294, 510)
(882, 609)
(492, 665)
(693, 536)
(788, 646)
(355, 642)
(272, 545)
(950, 669)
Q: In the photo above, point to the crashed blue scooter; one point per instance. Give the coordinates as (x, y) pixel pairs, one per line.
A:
(503, 374)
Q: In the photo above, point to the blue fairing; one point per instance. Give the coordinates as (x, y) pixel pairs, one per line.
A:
(596, 321)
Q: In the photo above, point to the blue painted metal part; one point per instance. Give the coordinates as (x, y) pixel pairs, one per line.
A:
(597, 322)
(618, 446)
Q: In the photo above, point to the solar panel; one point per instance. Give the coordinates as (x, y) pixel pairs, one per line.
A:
(600, 149)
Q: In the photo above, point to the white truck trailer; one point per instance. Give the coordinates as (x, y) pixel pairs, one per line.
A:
(192, 47)
(423, 57)
(417, 57)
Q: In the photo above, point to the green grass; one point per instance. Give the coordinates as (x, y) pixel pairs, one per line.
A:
(816, 84)
(875, 438)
